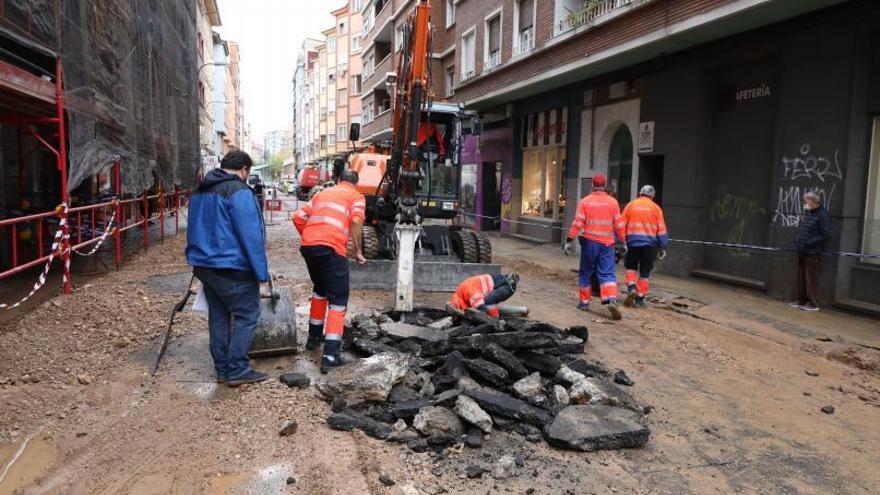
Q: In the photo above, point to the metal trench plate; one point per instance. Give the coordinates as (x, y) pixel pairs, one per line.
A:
(429, 276)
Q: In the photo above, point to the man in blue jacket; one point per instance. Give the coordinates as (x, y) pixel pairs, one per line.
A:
(814, 231)
(226, 247)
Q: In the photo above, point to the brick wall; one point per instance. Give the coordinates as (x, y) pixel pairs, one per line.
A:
(548, 55)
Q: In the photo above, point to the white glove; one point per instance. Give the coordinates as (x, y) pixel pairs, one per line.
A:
(568, 249)
(661, 254)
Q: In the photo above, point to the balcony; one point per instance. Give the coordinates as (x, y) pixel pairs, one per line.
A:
(377, 75)
(492, 60)
(576, 15)
(379, 129)
(524, 41)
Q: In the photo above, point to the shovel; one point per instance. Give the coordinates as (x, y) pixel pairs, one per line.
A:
(275, 334)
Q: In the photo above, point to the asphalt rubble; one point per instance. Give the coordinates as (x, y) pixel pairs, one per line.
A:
(437, 378)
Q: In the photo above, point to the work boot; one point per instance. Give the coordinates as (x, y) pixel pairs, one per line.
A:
(640, 302)
(631, 298)
(584, 306)
(253, 376)
(316, 336)
(614, 309)
(332, 357)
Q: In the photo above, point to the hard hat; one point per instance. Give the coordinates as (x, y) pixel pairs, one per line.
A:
(599, 180)
(648, 190)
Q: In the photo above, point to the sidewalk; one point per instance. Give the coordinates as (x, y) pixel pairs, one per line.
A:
(713, 301)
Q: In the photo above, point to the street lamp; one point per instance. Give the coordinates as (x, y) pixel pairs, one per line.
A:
(211, 63)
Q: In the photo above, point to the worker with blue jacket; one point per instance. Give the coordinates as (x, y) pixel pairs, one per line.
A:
(226, 247)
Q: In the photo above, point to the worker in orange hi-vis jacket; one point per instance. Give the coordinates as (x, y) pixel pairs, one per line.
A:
(325, 224)
(645, 231)
(598, 215)
(484, 292)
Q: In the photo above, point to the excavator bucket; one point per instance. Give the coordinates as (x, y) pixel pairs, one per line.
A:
(441, 274)
(276, 330)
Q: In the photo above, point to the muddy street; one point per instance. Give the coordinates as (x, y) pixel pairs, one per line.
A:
(737, 386)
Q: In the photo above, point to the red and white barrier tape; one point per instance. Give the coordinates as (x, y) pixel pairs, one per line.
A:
(104, 236)
(61, 235)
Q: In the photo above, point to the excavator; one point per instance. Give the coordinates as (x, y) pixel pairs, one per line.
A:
(413, 188)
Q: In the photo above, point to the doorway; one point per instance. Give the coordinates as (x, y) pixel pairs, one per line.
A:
(651, 172)
(491, 192)
(620, 160)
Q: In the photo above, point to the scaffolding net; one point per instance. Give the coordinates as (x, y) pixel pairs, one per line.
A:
(130, 83)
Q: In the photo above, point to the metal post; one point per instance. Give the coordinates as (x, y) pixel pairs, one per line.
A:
(62, 168)
(176, 211)
(144, 216)
(161, 212)
(117, 186)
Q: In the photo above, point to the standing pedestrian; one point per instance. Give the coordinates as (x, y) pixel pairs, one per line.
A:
(814, 232)
(325, 224)
(598, 215)
(227, 250)
(645, 231)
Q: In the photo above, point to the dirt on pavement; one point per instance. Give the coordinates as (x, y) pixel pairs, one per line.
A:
(736, 401)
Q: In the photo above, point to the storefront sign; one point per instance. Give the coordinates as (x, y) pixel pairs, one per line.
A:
(762, 91)
(646, 137)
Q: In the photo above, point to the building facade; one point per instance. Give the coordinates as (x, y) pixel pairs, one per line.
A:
(207, 18)
(277, 141)
(219, 98)
(235, 103)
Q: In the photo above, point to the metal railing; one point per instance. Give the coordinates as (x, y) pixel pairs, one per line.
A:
(592, 10)
(525, 41)
(493, 60)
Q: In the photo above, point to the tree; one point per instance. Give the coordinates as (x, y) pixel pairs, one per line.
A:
(276, 164)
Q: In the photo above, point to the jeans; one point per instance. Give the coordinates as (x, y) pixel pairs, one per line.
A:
(233, 312)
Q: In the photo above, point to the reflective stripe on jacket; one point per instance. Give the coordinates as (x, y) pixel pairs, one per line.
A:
(471, 292)
(643, 224)
(598, 216)
(326, 219)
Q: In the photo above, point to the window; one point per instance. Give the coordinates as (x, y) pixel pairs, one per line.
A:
(368, 66)
(492, 44)
(450, 13)
(544, 162)
(871, 237)
(331, 43)
(368, 112)
(331, 75)
(323, 141)
(331, 106)
(342, 97)
(449, 82)
(468, 55)
(356, 84)
(341, 132)
(343, 28)
(355, 42)
(331, 139)
(524, 22)
(357, 5)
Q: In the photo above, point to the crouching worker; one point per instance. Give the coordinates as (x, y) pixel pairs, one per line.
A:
(325, 224)
(484, 292)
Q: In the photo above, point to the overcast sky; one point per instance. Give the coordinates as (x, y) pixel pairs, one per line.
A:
(269, 34)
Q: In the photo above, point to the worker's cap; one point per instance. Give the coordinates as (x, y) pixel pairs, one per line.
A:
(599, 180)
(648, 190)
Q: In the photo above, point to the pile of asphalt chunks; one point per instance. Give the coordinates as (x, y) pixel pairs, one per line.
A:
(431, 378)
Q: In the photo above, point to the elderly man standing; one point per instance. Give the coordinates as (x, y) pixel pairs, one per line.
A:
(814, 231)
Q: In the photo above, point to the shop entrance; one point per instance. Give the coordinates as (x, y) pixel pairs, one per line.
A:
(491, 192)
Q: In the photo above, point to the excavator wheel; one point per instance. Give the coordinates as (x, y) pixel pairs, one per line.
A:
(370, 244)
(484, 246)
(465, 246)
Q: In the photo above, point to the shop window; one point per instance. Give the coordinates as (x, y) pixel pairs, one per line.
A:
(543, 182)
(871, 237)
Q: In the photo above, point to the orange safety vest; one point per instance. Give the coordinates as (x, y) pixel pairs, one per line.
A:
(326, 219)
(471, 292)
(643, 224)
(598, 215)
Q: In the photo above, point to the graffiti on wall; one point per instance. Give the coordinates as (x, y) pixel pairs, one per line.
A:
(736, 210)
(806, 172)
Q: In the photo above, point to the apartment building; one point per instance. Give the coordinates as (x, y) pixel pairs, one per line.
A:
(705, 99)
(234, 101)
(302, 110)
(207, 18)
